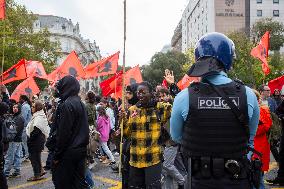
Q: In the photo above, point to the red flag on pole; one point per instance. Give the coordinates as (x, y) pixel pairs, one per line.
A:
(106, 66)
(276, 83)
(35, 69)
(27, 87)
(186, 81)
(261, 52)
(16, 72)
(133, 76)
(112, 84)
(70, 66)
(2, 9)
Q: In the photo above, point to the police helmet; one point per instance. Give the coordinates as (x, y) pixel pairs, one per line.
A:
(214, 52)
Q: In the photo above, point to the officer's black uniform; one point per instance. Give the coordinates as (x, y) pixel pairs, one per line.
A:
(213, 136)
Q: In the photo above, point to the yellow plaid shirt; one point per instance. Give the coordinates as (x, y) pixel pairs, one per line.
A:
(144, 129)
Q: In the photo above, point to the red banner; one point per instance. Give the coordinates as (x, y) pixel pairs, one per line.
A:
(2, 9)
(106, 66)
(35, 69)
(16, 72)
(27, 87)
(70, 66)
(186, 81)
(261, 52)
(276, 83)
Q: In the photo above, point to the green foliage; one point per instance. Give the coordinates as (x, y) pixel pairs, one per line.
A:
(247, 68)
(21, 41)
(171, 60)
(275, 28)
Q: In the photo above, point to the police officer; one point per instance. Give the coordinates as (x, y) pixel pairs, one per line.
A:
(214, 139)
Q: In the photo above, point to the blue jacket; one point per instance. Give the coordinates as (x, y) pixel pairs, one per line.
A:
(26, 113)
(181, 108)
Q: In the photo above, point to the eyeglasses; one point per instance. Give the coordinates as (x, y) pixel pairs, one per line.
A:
(266, 90)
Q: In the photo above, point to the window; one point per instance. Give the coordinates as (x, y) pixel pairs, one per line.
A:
(276, 1)
(259, 13)
(276, 13)
(258, 1)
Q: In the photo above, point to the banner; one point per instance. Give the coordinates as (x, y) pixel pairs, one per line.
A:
(106, 66)
(261, 52)
(70, 66)
(27, 87)
(16, 72)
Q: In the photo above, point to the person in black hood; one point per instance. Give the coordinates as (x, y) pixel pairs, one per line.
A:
(72, 136)
(13, 158)
(3, 181)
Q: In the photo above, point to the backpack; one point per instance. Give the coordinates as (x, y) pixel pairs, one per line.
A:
(9, 130)
(275, 129)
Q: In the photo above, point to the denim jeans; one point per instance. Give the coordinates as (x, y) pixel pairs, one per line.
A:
(24, 144)
(13, 158)
(89, 178)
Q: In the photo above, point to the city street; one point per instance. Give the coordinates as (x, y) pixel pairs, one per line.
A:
(104, 177)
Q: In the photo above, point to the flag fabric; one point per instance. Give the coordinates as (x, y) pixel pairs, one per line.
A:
(186, 81)
(112, 84)
(2, 9)
(27, 87)
(70, 66)
(165, 83)
(276, 83)
(16, 72)
(133, 76)
(35, 69)
(106, 66)
(261, 52)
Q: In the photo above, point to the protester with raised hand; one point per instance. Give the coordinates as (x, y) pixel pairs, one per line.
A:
(142, 125)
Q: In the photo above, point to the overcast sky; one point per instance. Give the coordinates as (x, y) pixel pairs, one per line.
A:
(150, 23)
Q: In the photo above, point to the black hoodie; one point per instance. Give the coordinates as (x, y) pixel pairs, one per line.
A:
(19, 121)
(72, 129)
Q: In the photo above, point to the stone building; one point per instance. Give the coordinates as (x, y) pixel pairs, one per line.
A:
(204, 16)
(68, 35)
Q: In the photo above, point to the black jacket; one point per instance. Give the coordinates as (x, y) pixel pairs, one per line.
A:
(19, 120)
(72, 129)
(36, 141)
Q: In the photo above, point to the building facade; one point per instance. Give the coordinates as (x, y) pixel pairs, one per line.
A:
(176, 41)
(69, 37)
(224, 16)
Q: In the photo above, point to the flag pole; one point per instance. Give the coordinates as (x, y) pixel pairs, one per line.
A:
(123, 88)
(3, 52)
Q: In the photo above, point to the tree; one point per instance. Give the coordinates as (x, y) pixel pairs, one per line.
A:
(171, 60)
(248, 69)
(21, 41)
(245, 67)
(275, 28)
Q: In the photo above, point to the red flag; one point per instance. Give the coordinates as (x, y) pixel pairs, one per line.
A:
(276, 83)
(35, 69)
(27, 87)
(261, 52)
(111, 84)
(165, 83)
(2, 9)
(133, 76)
(16, 72)
(186, 81)
(106, 66)
(70, 66)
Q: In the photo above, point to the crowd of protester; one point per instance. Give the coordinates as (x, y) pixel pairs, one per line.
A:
(148, 154)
